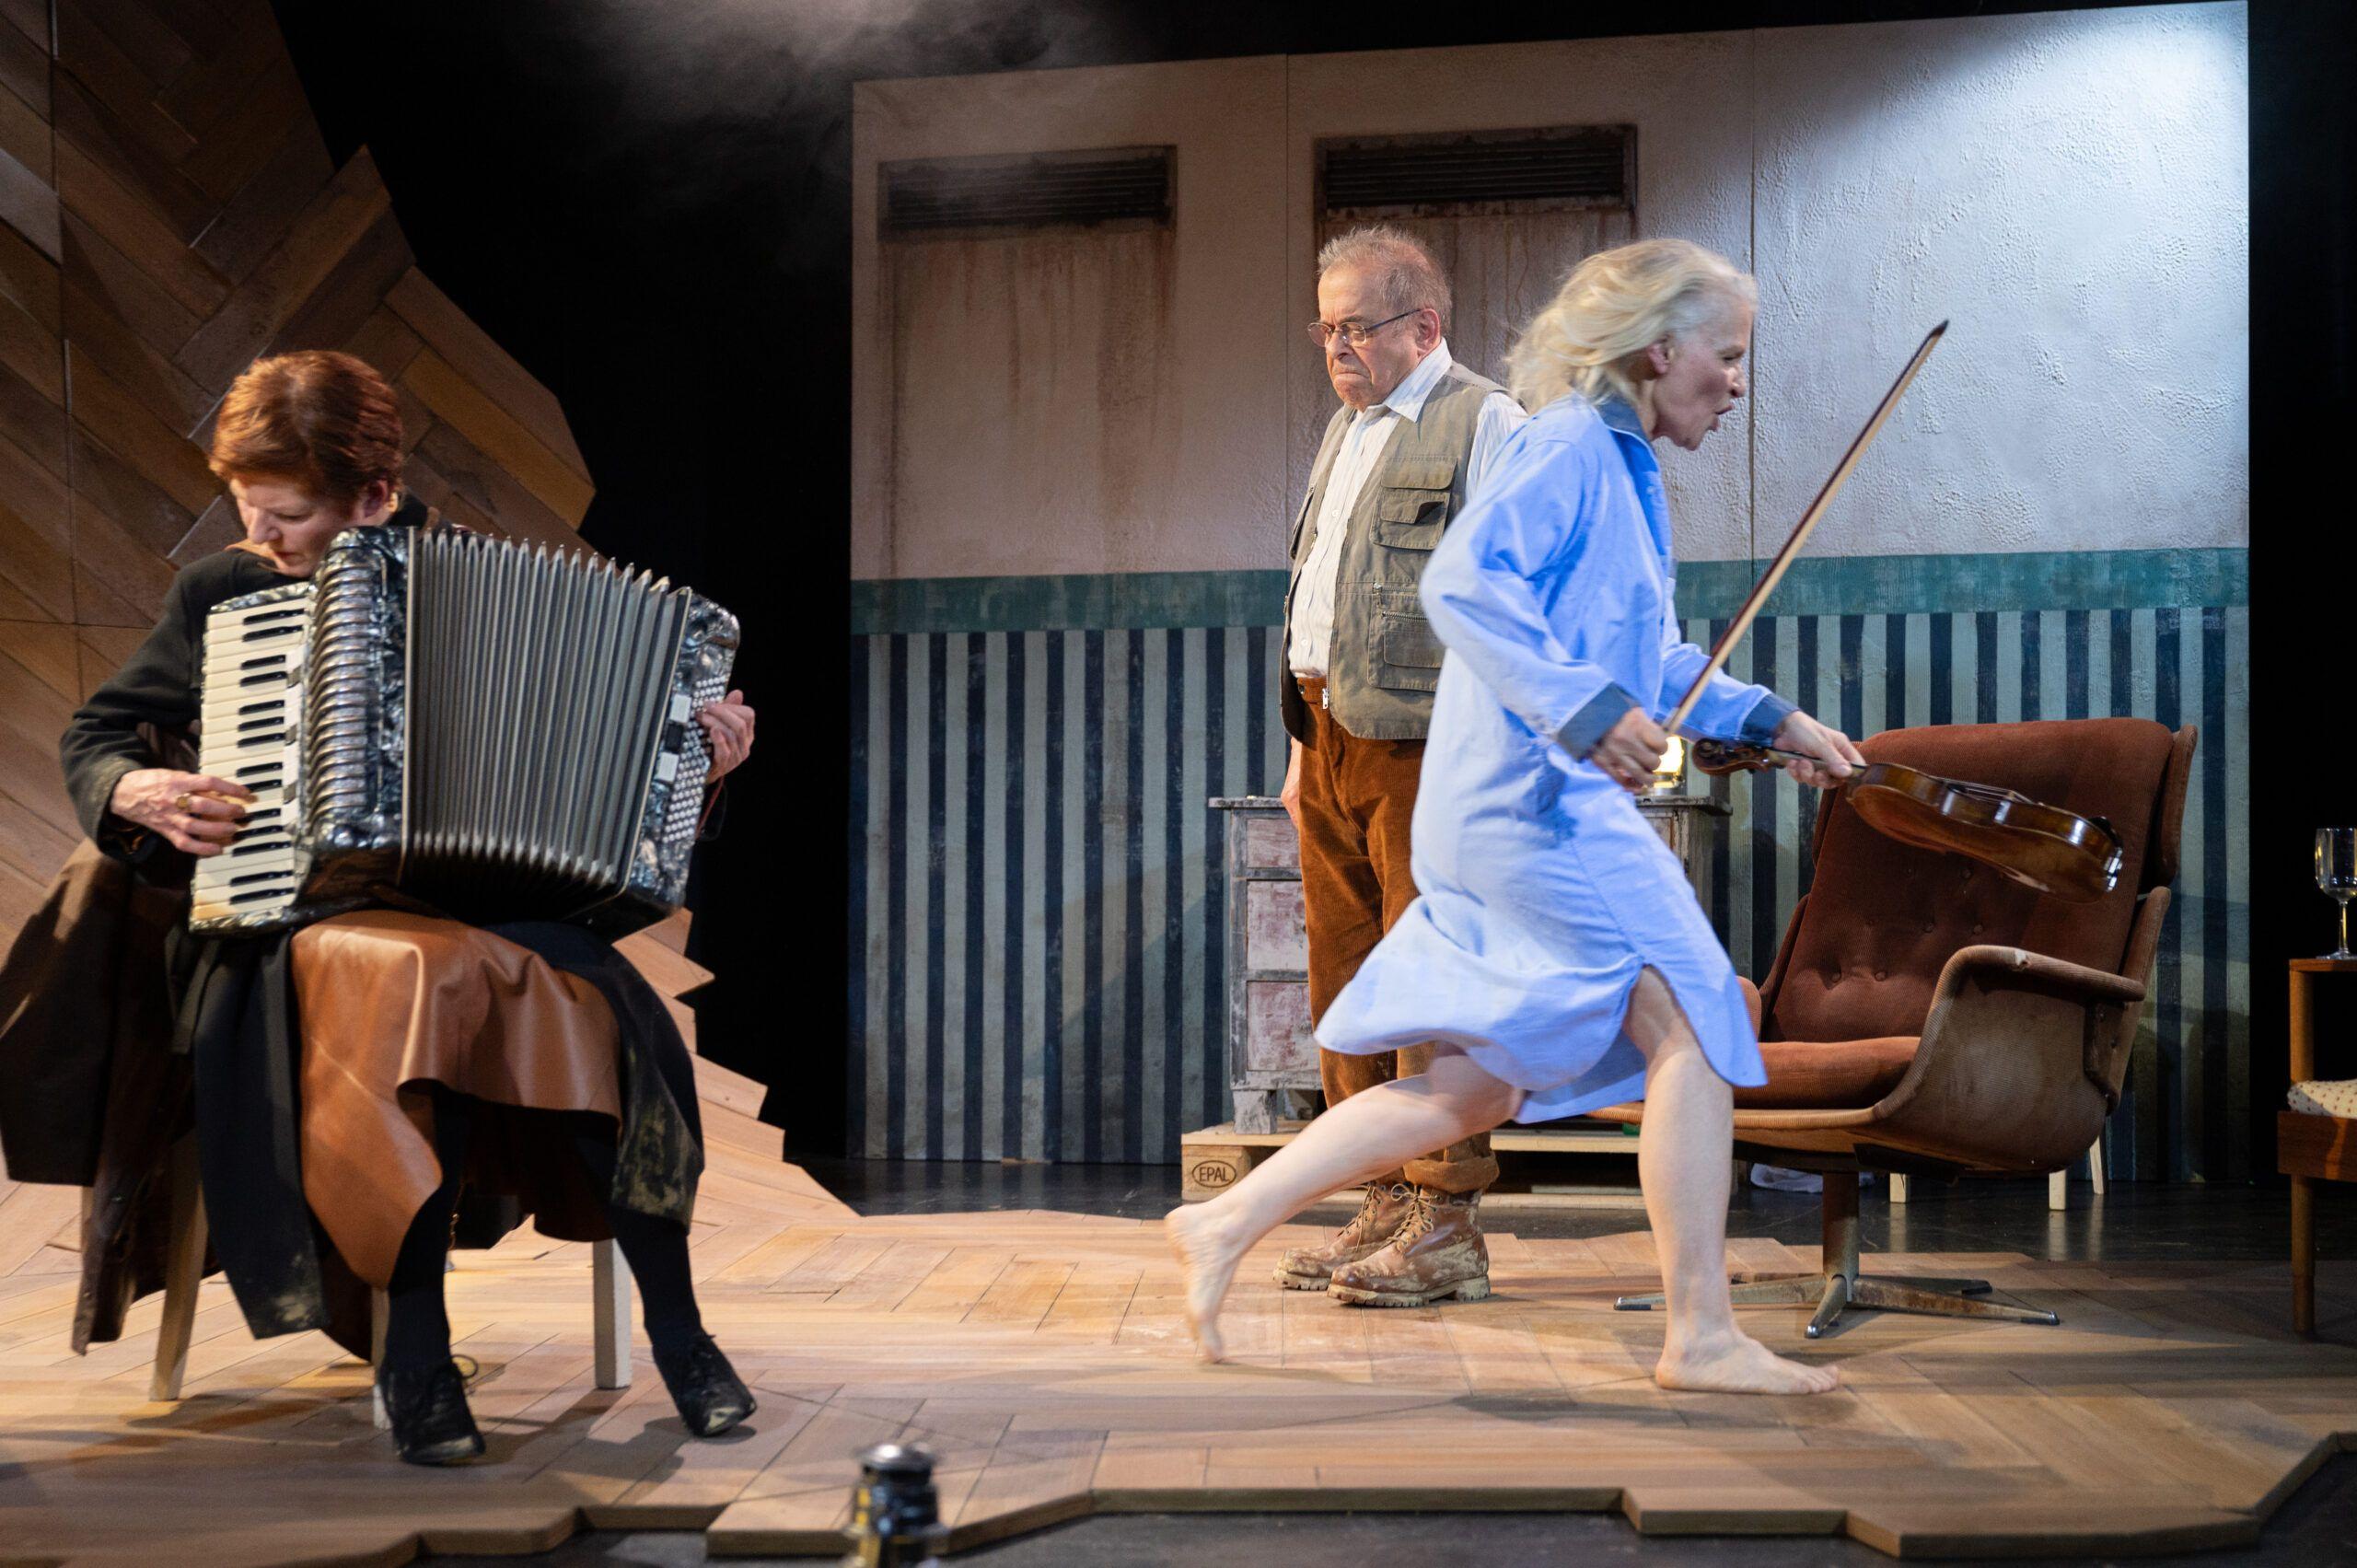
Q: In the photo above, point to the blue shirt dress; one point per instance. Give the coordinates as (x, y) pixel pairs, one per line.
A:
(1543, 892)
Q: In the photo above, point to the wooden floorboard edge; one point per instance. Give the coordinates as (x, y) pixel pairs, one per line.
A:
(2209, 1532)
(654, 1515)
(2198, 1530)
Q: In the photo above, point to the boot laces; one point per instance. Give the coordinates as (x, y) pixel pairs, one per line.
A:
(1374, 1201)
(1423, 1214)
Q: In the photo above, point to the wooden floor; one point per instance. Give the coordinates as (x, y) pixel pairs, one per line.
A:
(1043, 1356)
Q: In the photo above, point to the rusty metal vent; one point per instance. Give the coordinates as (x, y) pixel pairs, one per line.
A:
(1027, 192)
(1585, 166)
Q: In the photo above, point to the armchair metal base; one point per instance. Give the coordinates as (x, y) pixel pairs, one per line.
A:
(1841, 1286)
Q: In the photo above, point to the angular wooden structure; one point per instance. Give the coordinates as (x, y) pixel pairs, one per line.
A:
(168, 212)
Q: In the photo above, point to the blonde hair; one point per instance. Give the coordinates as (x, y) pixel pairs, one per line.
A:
(1615, 305)
(1406, 276)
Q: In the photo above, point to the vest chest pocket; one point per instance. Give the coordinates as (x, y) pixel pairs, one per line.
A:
(1406, 652)
(1410, 520)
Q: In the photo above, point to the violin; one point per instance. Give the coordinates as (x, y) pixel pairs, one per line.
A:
(2071, 857)
(2040, 846)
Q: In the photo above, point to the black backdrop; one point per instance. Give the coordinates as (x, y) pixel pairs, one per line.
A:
(648, 202)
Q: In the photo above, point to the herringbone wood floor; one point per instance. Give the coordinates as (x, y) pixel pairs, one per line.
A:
(1043, 1358)
(167, 214)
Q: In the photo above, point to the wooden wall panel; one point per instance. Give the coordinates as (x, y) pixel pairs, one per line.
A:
(168, 212)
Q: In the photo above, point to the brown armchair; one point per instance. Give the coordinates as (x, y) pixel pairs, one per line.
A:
(1925, 1015)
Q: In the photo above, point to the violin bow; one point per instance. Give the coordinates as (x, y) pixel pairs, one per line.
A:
(1784, 557)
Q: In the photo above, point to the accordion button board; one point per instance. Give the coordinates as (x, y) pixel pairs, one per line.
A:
(496, 731)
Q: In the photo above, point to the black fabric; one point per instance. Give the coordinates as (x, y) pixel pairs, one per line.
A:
(655, 1248)
(417, 1317)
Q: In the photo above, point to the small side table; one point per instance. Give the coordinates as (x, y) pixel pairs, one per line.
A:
(2309, 1148)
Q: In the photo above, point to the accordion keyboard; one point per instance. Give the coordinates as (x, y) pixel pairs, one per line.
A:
(251, 732)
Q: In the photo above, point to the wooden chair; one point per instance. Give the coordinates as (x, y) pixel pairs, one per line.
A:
(2310, 1146)
(184, 1272)
(1925, 1015)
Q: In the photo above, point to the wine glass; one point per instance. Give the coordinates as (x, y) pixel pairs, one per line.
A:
(2337, 875)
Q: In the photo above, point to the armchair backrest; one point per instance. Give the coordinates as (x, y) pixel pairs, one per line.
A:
(1882, 918)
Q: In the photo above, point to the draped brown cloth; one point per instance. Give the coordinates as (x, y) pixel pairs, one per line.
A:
(393, 1003)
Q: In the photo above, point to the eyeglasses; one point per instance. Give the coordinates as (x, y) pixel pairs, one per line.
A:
(1353, 333)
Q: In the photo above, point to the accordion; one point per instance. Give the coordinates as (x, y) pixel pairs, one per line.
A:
(498, 731)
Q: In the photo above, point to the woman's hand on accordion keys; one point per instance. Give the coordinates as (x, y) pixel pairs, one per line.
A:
(728, 730)
(197, 813)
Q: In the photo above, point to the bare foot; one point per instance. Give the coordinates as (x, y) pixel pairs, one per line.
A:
(1735, 1362)
(1208, 1252)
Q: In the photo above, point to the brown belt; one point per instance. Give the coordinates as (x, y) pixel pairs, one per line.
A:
(1313, 689)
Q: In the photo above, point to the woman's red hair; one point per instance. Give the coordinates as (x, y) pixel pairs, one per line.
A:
(325, 422)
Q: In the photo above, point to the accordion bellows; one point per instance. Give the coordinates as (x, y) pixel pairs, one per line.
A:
(495, 731)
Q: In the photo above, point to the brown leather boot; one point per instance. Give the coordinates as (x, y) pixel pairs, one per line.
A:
(1438, 1254)
(1384, 1210)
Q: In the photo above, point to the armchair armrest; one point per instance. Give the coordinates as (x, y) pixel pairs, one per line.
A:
(2092, 984)
(2013, 1070)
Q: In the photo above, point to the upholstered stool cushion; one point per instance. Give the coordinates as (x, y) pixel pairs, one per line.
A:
(1848, 1074)
(2324, 1096)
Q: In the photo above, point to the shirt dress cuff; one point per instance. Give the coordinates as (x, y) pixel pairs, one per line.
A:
(1766, 717)
(1586, 728)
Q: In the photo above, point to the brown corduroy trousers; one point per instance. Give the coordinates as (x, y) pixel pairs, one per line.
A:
(1356, 798)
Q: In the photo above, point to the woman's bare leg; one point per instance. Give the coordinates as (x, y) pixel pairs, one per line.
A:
(1683, 1159)
(1366, 1136)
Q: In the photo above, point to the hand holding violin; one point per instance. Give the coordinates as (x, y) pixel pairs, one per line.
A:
(1821, 756)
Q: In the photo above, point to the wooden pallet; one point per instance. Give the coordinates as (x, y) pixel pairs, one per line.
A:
(1218, 1157)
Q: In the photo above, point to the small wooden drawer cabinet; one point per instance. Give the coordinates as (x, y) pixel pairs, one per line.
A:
(1269, 1049)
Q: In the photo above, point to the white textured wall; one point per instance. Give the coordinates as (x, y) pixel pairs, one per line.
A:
(2070, 189)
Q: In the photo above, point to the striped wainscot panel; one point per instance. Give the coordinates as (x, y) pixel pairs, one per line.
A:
(1038, 914)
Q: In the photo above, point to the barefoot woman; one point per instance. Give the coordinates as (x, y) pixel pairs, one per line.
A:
(1557, 953)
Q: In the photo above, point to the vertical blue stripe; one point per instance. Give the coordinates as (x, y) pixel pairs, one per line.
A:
(977, 673)
(1092, 870)
(2169, 973)
(1893, 657)
(2033, 663)
(1984, 629)
(1214, 926)
(1853, 638)
(1132, 1141)
(896, 904)
(1766, 786)
(936, 654)
(1162, 1143)
(1010, 1131)
(1941, 675)
(2076, 637)
(1723, 833)
(1256, 709)
(856, 932)
(1052, 1022)
(1805, 681)
(2223, 1155)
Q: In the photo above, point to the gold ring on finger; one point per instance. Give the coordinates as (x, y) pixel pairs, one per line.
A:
(183, 803)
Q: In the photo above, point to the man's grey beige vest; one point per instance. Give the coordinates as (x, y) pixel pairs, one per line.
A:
(1383, 661)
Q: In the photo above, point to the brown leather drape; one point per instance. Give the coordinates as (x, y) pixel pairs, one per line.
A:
(393, 1003)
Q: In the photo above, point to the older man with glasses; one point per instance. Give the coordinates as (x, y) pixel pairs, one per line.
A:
(1414, 435)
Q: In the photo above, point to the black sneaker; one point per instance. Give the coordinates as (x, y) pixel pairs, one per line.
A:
(710, 1395)
(432, 1424)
